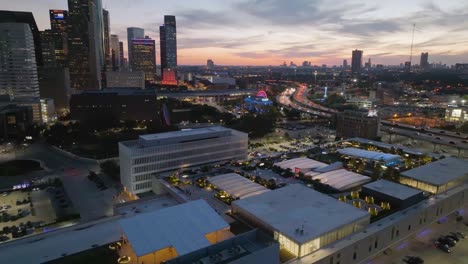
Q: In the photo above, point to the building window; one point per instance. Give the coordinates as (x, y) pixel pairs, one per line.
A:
(376, 243)
(354, 256)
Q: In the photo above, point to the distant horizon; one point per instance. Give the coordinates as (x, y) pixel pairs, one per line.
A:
(268, 32)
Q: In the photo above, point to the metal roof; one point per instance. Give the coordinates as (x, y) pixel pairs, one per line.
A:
(366, 154)
(301, 163)
(341, 179)
(182, 226)
(297, 206)
(392, 189)
(237, 186)
(439, 172)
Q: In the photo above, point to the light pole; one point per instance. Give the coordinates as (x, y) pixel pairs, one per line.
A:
(315, 76)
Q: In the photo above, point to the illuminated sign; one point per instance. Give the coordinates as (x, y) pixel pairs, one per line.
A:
(59, 16)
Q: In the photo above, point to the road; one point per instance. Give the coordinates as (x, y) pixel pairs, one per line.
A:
(86, 197)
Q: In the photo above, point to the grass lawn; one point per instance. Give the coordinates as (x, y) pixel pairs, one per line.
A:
(98, 255)
(19, 167)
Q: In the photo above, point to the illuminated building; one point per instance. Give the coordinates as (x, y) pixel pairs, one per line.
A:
(106, 24)
(456, 114)
(169, 77)
(133, 33)
(144, 57)
(351, 124)
(58, 21)
(424, 63)
(142, 159)
(259, 103)
(356, 61)
(168, 39)
(121, 56)
(85, 43)
(18, 77)
(48, 110)
(55, 40)
(210, 64)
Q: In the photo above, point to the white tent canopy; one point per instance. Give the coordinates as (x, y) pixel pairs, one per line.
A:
(237, 186)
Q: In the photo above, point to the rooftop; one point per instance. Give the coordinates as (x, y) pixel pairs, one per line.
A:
(182, 134)
(366, 154)
(340, 179)
(392, 189)
(182, 226)
(289, 208)
(237, 186)
(301, 163)
(439, 172)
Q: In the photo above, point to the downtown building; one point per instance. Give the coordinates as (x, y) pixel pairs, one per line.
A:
(142, 160)
(133, 33)
(85, 43)
(114, 46)
(168, 42)
(356, 61)
(144, 57)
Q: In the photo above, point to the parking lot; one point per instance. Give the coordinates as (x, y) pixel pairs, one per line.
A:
(422, 245)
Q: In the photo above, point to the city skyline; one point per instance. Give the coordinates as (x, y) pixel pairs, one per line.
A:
(268, 32)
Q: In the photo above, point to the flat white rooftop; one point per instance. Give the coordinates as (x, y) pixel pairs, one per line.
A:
(439, 172)
(301, 163)
(294, 206)
(392, 189)
(366, 154)
(182, 226)
(237, 186)
(184, 133)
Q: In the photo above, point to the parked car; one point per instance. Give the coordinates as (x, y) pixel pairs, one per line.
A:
(458, 234)
(455, 238)
(443, 247)
(447, 241)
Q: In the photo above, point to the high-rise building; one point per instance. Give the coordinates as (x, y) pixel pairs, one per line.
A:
(107, 51)
(210, 64)
(115, 52)
(424, 61)
(57, 35)
(121, 55)
(48, 48)
(132, 33)
(144, 57)
(168, 39)
(28, 18)
(18, 69)
(85, 43)
(368, 64)
(345, 64)
(356, 61)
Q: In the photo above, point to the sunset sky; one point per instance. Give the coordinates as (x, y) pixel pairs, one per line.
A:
(268, 32)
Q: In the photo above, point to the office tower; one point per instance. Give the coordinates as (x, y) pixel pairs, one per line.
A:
(168, 39)
(424, 64)
(85, 43)
(107, 54)
(132, 33)
(58, 35)
(209, 64)
(48, 48)
(58, 21)
(121, 55)
(18, 69)
(345, 64)
(144, 57)
(28, 18)
(368, 64)
(356, 61)
(115, 52)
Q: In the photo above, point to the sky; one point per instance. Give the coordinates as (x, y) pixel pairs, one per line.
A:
(268, 32)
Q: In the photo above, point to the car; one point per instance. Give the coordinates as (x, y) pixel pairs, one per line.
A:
(413, 260)
(442, 132)
(458, 234)
(464, 141)
(458, 133)
(443, 247)
(430, 134)
(447, 241)
(452, 142)
(4, 238)
(455, 238)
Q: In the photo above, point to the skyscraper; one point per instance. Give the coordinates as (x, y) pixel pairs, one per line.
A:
(57, 35)
(48, 48)
(115, 52)
(210, 64)
(86, 43)
(424, 61)
(18, 69)
(356, 61)
(132, 33)
(168, 39)
(121, 55)
(144, 57)
(28, 18)
(107, 54)
(345, 64)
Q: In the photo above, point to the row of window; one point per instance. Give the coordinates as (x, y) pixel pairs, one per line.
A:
(143, 185)
(193, 160)
(182, 153)
(143, 177)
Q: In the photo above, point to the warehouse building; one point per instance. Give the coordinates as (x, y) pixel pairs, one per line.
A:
(300, 219)
(438, 176)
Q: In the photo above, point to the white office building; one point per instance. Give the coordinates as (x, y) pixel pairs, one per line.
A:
(142, 159)
(18, 69)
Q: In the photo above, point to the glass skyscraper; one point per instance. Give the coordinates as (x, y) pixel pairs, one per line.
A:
(133, 33)
(85, 43)
(144, 57)
(168, 39)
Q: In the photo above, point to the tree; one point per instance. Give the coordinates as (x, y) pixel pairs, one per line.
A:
(111, 169)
